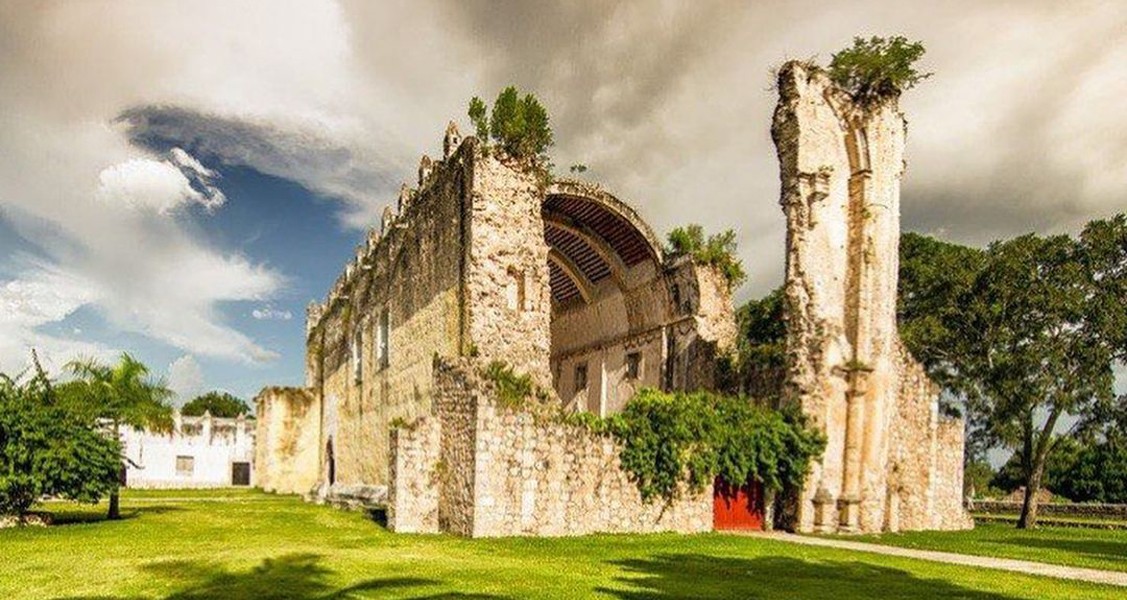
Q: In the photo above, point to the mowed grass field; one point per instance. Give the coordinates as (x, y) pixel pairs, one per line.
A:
(236, 544)
(1072, 546)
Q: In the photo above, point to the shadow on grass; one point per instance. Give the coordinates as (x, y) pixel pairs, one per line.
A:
(79, 517)
(1112, 551)
(292, 577)
(702, 576)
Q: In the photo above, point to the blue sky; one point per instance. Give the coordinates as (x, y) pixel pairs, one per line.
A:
(170, 171)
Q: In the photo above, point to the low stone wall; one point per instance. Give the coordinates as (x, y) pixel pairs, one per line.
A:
(287, 456)
(482, 470)
(1070, 509)
(412, 496)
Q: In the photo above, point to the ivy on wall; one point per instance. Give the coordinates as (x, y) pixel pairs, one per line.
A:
(673, 438)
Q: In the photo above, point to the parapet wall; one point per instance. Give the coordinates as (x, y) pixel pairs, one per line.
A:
(286, 457)
(507, 472)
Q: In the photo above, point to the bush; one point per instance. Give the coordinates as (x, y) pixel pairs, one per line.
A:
(718, 250)
(49, 448)
(877, 67)
(512, 389)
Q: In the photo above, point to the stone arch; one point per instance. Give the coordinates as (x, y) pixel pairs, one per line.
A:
(610, 297)
(596, 234)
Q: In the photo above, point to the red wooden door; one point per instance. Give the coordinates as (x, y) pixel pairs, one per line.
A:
(737, 507)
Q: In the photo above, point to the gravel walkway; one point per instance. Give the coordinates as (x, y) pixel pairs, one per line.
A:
(985, 562)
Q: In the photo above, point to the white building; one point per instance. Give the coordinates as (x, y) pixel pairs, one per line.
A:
(200, 452)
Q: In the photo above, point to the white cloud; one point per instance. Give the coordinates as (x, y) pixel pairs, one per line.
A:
(1019, 128)
(41, 296)
(160, 185)
(185, 378)
(269, 313)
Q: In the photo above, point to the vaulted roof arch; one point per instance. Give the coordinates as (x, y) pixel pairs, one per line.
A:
(594, 236)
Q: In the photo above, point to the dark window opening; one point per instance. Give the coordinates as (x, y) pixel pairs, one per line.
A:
(240, 473)
(580, 377)
(634, 365)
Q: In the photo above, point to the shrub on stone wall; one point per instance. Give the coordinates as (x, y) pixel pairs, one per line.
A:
(518, 125)
(717, 250)
(877, 67)
(673, 438)
(513, 389)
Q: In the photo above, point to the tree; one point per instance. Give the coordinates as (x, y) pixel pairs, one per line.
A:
(219, 404)
(1011, 475)
(48, 449)
(759, 367)
(1031, 338)
(1098, 473)
(121, 394)
(877, 67)
(518, 125)
(717, 250)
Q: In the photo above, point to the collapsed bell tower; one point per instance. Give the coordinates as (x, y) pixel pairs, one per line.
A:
(891, 462)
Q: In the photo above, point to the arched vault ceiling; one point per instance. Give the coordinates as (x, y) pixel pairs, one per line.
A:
(596, 237)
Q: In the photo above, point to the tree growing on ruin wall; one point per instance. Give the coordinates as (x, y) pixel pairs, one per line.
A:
(717, 250)
(518, 125)
(878, 67)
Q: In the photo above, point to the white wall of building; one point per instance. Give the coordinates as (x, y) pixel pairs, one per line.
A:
(210, 445)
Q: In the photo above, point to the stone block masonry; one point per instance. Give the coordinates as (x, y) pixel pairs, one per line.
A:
(286, 457)
(485, 258)
(478, 469)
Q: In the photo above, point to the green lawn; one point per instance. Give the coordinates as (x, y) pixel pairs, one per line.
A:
(237, 544)
(1074, 546)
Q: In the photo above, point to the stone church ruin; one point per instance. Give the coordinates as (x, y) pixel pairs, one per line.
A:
(483, 261)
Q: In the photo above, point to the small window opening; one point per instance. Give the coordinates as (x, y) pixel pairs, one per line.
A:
(383, 340)
(185, 466)
(634, 365)
(357, 353)
(581, 377)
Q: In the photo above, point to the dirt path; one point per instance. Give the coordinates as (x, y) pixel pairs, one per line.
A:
(985, 562)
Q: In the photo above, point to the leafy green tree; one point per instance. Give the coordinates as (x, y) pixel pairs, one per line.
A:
(518, 125)
(759, 364)
(1033, 338)
(219, 404)
(1011, 475)
(120, 394)
(717, 250)
(877, 67)
(48, 449)
(977, 477)
(1097, 474)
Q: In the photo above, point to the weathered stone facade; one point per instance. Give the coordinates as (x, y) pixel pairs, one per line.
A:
(286, 459)
(891, 462)
(483, 259)
(478, 469)
(483, 262)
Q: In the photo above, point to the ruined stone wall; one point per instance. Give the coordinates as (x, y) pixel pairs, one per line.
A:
(508, 296)
(840, 164)
(678, 320)
(410, 270)
(950, 511)
(412, 503)
(287, 437)
(523, 474)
